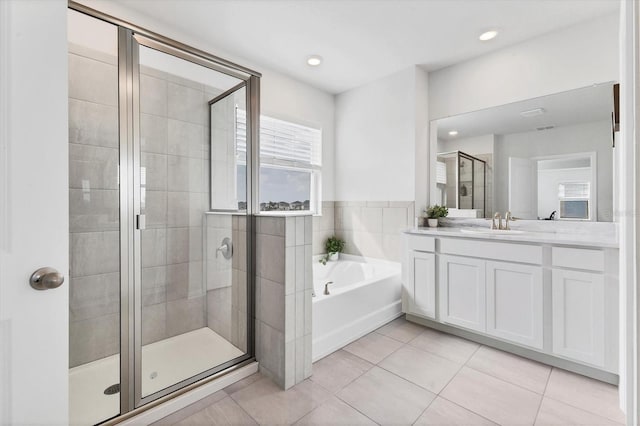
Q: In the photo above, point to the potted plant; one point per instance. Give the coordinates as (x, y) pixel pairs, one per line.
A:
(434, 213)
(333, 247)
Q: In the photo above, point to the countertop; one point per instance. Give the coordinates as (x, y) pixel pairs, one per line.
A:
(539, 237)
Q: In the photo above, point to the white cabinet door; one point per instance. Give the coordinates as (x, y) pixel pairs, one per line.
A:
(578, 316)
(462, 292)
(515, 303)
(421, 277)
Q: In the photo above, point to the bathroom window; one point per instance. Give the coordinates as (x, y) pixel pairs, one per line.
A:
(574, 200)
(290, 165)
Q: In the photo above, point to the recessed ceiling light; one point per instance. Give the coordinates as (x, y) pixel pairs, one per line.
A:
(453, 133)
(488, 35)
(314, 60)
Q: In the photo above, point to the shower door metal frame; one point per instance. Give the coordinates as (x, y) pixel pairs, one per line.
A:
(129, 38)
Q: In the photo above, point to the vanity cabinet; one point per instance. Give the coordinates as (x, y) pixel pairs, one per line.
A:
(419, 283)
(515, 308)
(553, 299)
(579, 315)
(462, 292)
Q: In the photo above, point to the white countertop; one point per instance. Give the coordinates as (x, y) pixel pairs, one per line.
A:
(539, 237)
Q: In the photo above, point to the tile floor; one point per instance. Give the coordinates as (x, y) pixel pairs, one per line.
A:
(404, 374)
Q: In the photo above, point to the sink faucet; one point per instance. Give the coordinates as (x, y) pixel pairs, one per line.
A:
(326, 287)
(493, 221)
(508, 218)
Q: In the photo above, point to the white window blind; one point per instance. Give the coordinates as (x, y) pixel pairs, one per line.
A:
(282, 142)
(574, 190)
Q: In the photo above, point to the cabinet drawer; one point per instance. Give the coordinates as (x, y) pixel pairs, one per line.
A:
(591, 260)
(492, 250)
(420, 243)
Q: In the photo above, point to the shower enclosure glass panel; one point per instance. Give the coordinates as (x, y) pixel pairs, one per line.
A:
(94, 220)
(189, 321)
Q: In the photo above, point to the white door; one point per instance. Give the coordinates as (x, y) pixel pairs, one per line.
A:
(578, 316)
(33, 211)
(422, 283)
(462, 292)
(514, 303)
(523, 184)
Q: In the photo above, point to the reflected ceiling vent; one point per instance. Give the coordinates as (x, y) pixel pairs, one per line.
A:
(533, 112)
(545, 128)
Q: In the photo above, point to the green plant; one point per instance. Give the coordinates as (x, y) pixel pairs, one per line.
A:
(331, 246)
(436, 211)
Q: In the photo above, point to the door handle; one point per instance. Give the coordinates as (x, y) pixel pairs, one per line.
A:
(46, 278)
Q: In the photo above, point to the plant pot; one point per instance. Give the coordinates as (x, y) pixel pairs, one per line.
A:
(334, 257)
(433, 223)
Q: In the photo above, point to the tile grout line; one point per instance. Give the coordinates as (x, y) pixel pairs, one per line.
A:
(543, 395)
(468, 409)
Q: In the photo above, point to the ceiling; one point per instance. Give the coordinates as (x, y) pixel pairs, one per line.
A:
(585, 105)
(364, 40)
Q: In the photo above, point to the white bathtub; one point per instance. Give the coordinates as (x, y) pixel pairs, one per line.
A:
(365, 294)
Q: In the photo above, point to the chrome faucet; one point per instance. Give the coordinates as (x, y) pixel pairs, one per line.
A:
(507, 218)
(493, 221)
(326, 287)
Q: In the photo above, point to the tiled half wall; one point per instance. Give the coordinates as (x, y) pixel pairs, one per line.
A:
(284, 285)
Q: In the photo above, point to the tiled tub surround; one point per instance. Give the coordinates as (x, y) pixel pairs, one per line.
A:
(284, 286)
(370, 228)
(405, 374)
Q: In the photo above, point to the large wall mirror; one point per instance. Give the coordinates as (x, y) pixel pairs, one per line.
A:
(543, 158)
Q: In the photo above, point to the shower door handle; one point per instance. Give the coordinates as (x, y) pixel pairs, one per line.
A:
(141, 221)
(46, 279)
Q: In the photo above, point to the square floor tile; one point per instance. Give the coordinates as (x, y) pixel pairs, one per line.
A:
(447, 346)
(268, 404)
(225, 412)
(425, 369)
(493, 398)
(442, 412)
(582, 392)
(386, 398)
(335, 412)
(511, 368)
(337, 370)
(554, 412)
(401, 329)
(373, 347)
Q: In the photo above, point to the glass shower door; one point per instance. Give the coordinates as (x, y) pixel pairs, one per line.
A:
(191, 272)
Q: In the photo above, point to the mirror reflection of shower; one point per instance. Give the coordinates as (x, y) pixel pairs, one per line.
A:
(461, 184)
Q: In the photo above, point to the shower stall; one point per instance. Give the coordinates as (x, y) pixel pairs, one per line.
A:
(161, 193)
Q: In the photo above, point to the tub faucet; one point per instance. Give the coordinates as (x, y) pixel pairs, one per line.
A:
(326, 287)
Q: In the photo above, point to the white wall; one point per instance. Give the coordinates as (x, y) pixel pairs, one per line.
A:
(575, 57)
(379, 137)
(588, 137)
(472, 145)
(281, 96)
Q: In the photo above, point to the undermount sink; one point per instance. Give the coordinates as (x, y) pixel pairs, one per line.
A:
(490, 231)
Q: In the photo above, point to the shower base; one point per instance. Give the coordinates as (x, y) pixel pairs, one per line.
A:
(164, 363)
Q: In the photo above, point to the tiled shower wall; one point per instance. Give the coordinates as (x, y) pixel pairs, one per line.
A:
(369, 228)
(284, 286)
(174, 144)
(94, 278)
(227, 278)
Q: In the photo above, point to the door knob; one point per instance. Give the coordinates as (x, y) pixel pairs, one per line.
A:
(46, 278)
